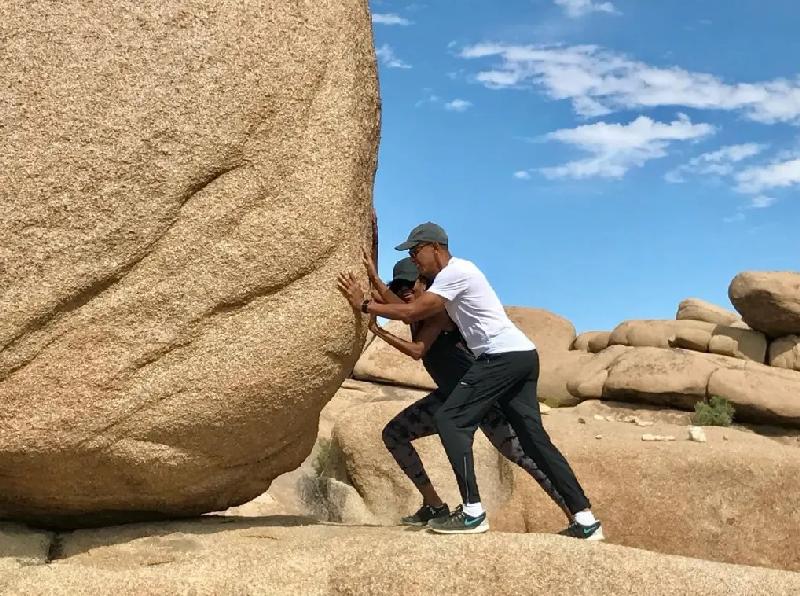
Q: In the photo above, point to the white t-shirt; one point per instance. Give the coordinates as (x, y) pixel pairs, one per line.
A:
(476, 310)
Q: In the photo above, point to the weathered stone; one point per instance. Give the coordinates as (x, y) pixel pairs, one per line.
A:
(699, 310)
(290, 555)
(697, 434)
(653, 333)
(553, 336)
(587, 382)
(549, 331)
(784, 352)
(590, 341)
(727, 502)
(181, 183)
(759, 393)
(382, 363)
(769, 301)
(739, 343)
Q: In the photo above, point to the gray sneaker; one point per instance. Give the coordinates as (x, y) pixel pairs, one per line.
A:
(425, 514)
(459, 522)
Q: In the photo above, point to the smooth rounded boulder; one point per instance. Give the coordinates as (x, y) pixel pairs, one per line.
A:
(769, 301)
(182, 181)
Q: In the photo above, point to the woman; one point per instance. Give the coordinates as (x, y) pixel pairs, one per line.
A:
(438, 343)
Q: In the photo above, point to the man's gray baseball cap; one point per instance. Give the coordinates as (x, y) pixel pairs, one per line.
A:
(405, 270)
(427, 232)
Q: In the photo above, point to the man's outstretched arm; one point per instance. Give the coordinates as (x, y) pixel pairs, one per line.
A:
(423, 307)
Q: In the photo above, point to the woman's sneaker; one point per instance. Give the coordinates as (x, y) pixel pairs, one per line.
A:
(459, 522)
(425, 514)
(576, 530)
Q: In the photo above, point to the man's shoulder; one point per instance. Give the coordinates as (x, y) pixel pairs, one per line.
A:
(461, 265)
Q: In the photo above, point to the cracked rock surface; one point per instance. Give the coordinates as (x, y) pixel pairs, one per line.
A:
(180, 182)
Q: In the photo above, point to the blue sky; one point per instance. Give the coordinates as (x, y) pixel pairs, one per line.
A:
(600, 159)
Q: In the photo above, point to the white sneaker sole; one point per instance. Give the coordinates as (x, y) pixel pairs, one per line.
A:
(484, 527)
(597, 536)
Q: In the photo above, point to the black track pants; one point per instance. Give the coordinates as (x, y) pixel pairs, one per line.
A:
(508, 381)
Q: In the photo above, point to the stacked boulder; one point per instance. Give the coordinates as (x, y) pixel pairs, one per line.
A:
(751, 360)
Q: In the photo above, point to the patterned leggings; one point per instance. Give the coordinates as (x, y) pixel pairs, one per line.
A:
(417, 421)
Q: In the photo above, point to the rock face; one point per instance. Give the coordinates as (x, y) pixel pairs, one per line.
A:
(699, 336)
(784, 352)
(694, 309)
(591, 341)
(768, 301)
(382, 363)
(180, 184)
(290, 555)
(680, 378)
(724, 499)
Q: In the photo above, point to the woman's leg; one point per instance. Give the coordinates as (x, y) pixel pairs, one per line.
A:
(414, 422)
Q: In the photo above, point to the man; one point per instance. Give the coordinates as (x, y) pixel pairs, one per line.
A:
(438, 343)
(505, 373)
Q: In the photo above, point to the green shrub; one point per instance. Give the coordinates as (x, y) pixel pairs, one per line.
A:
(717, 411)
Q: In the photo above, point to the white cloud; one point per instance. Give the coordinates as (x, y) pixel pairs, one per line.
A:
(522, 175)
(715, 163)
(387, 57)
(458, 105)
(734, 218)
(389, 19)
(616, 148)
(755, 180)
(598, 81)
(762, 201)
(579, 8)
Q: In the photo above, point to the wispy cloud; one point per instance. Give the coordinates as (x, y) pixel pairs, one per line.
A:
(598, 81)
(758, 179)
(387, 57)
(715, 163)
(389, 19)
(616, 148)
(458, 105)
(578, 8)
(522, 175)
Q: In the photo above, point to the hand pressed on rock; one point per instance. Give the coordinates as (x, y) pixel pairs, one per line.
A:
(350, 288)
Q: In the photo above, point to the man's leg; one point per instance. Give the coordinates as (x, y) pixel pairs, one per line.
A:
(522, 410)
(457, 420)
(412, 423)
(497, 429)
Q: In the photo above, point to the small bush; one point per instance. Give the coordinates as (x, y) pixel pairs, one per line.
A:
(717, 411)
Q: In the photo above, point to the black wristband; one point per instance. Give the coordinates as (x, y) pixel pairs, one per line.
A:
(364, 306)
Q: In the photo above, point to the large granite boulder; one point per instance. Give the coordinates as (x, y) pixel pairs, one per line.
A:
(699, 336)
(784, 352)
(181, 182)
(694, 309)
(768, 301)
(591, 341)
(680, 378)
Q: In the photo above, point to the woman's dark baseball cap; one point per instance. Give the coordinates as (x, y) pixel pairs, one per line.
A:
(427, 232)
(404, 273)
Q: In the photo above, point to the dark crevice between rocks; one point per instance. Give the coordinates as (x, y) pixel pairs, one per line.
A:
(56, 549)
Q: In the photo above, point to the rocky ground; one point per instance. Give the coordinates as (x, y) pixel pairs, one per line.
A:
(280, 555)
